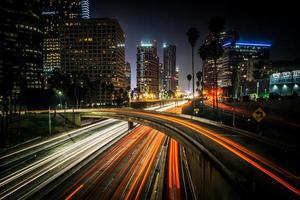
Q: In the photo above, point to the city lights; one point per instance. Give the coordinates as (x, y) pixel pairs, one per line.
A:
(94, 105)
(146, 44)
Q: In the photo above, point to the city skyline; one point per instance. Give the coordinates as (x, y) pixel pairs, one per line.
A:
(166, 22)
(91, 106)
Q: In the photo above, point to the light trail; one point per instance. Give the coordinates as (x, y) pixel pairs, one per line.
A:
(61, 136)
(74, 192)
(233, 147)
(41, 169)
(145, 167)
(173, 172)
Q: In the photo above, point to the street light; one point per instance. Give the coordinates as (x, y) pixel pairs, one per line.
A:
(60, 94)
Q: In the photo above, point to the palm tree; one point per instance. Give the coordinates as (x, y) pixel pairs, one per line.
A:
(203, 52)
(216, 26)
(189, 78)
(199, 76)
(193, 35)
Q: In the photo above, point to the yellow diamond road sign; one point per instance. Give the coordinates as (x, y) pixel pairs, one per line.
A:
(259, 114)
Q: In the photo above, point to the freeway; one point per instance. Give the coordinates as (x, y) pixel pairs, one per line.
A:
(29, 168)
(130, 169)
(23, 182)
(251, 166)
(246, 160)
(120, 171)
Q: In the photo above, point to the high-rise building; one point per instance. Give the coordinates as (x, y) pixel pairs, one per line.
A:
(147, 70)
(177, 79)
(54, 11)
(85, 7)
(20, 47)
(241, 63)
(169, 72)
(127, 75)
(94, 48)
(161, 80)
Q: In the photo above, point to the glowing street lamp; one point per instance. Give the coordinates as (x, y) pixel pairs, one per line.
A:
(60, 94)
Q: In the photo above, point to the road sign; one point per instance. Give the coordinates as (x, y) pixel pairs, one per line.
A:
(259, 114)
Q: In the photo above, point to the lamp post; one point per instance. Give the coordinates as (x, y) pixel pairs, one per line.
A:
(59, 95)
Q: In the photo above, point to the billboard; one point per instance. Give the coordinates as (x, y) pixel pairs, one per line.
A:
(285, 77)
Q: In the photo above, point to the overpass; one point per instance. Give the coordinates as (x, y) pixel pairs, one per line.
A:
(239, 156)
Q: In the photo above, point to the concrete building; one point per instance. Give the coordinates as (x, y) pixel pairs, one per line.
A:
(21, 47)
(177, 80)
(94, 48)
(242, 64)
(169, 72)
(285, 83)
(53, 12)
(161, 81)
(127, 75)
(147, 70)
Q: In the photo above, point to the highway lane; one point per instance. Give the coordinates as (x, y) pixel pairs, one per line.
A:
(236, 152)
(126, 170)
(24, 182)
(240, 150)
(174, 185)
(120, 171)
(17, 158)
(32, 166)
(12, 156)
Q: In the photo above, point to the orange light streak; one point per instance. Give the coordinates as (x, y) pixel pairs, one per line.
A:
(74, 192)
(236, 148)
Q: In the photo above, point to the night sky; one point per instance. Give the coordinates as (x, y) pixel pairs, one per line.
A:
(168, 21)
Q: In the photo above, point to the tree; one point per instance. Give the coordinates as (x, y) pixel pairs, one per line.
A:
(189, 78)
(203, 53)
(193, 35)
(199, 76)
(215, 49)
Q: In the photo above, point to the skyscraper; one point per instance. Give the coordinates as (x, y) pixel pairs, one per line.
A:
(169, 75)
(241, 62)
(147, 70)
(161, 80)
(177, 79)
(54, 11)
(20, 46)
(85, 7)
(97, 54)
(127, 75)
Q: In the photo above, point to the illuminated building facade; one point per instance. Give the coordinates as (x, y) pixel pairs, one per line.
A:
(169, 72)
(285, 83)
(147, 70)
(21, 47)
(54, 11)
(94, 48)
(161, 80)
(127, 75)
(177, 79)
(242, 64)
